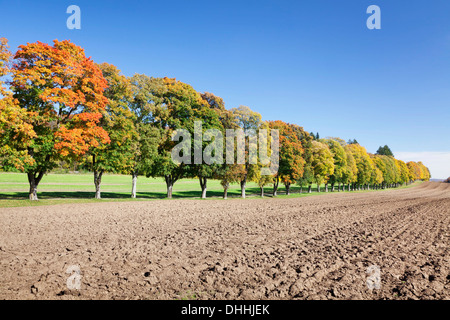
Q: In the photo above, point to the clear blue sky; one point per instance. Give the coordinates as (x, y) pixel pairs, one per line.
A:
(313, 63)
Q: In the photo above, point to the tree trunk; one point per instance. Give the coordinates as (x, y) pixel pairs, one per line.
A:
(97, 183)
(225, 192)
(318, 187)
(326, 187)
(288, 188)
(262, 192)
(34, 180)
(203, 182)
(309, 188)
(134, 177)
(33, 187)
(33, 192)
(301, 189)
(276, 182)
(243, 182)
(169, 185)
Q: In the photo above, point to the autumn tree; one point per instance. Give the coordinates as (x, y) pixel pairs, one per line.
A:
(307, 177)
(340, 162)
(117, 120)
(291, 162)
(262, 180)
(363, 163)
(425, 172)
(395, 171)
(376, 178)
(228, 174)
(16, 133)
(322, 163)
(404, 172)
(414, 171)
(62, 90)
(350, 173)
(391, 173)
(381, 166)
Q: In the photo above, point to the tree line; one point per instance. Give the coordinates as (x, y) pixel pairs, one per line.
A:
(59, 105)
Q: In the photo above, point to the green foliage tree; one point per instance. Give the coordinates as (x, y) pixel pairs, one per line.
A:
(146, 97)
(385, 151)
(179, 108)
(249, 121)
(214, 117)
(116, 156)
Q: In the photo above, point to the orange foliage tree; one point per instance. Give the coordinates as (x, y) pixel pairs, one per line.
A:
(15, 132)
(291, 160)
(62, 92)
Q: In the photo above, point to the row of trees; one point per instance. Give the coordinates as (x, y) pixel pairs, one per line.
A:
(61, 106)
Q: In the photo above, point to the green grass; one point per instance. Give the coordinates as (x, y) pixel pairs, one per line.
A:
(79, 188)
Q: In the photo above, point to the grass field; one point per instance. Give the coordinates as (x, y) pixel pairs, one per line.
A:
(72, 188)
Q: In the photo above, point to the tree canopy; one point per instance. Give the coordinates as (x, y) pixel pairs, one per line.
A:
(60, 106)
(385, 151)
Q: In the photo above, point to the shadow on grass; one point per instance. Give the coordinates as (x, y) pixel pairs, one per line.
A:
(232, 193)
(46, 195)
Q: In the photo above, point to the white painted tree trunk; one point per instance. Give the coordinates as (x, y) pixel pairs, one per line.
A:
(133, 186)
(204, 193)
(33, 193)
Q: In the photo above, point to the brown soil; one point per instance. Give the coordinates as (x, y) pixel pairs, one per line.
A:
(303, 248)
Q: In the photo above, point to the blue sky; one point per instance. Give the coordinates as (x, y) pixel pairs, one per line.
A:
(313, 63)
